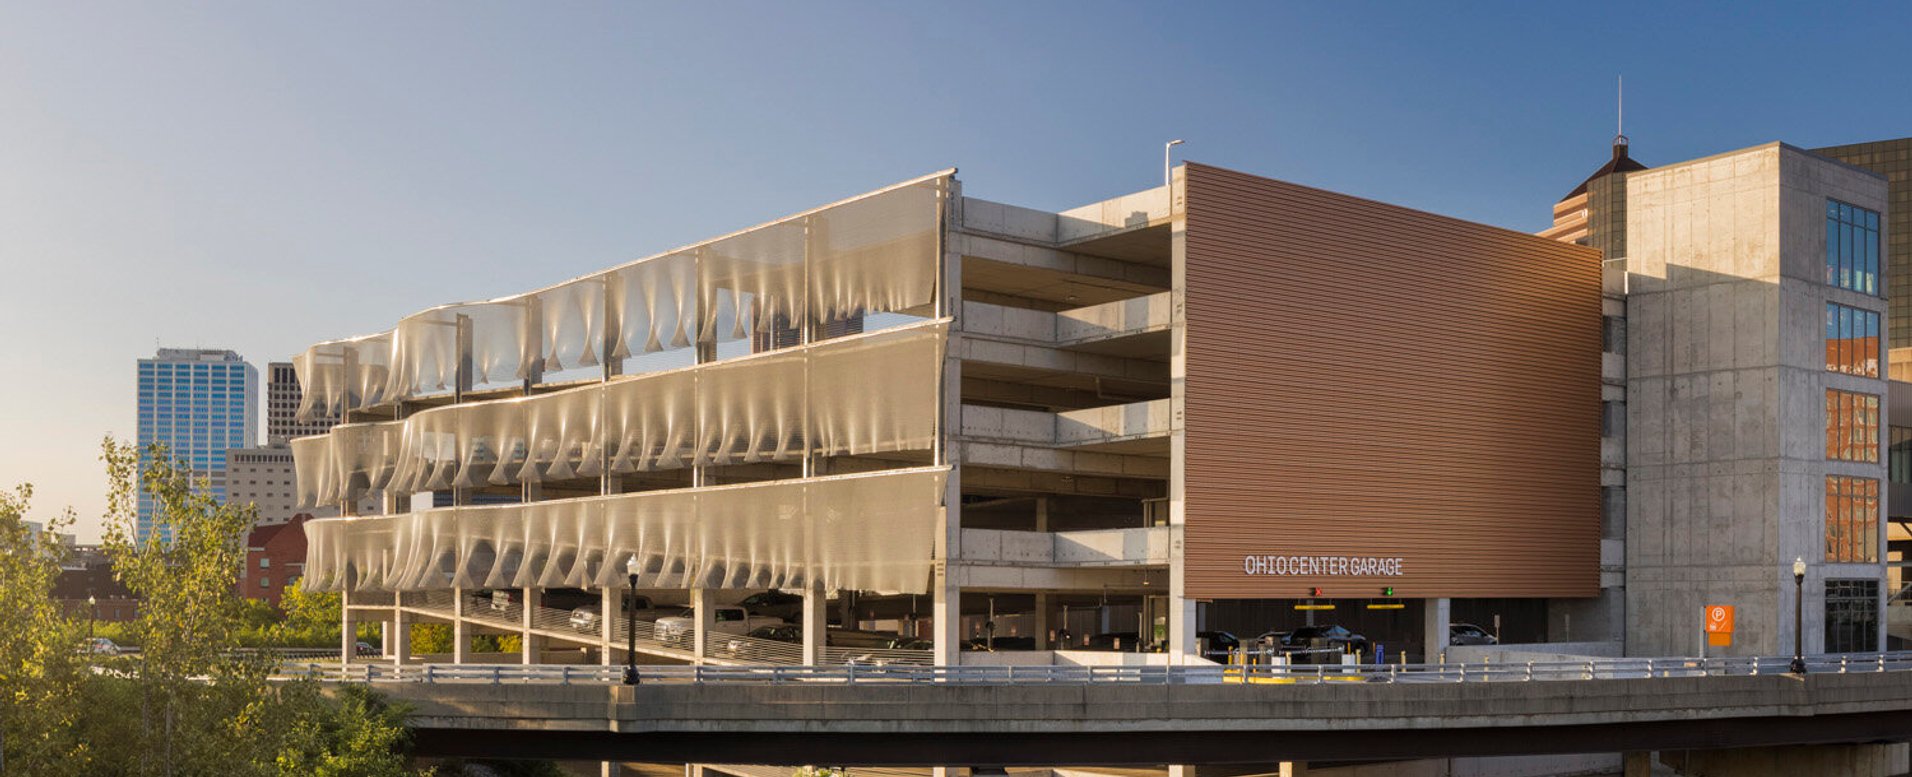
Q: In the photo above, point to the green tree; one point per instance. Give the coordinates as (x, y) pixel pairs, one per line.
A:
(191, 704)
(431, 638)
(199, 704)
(40, 671)
(354, 736)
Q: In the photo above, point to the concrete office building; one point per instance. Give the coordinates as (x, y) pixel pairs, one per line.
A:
(1744, 299)
(197, 403)
(1224, 390)
(264, 478)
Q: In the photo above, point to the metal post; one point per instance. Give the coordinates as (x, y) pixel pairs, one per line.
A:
(1168, 170)
(1799, 616)
(630, 626)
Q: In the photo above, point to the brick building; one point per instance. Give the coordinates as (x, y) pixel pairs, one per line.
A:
(275, 556)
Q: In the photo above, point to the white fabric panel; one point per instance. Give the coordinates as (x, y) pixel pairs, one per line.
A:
(573, 323)
(876, 254)
(364, 457)
(752, 280)
(425, 347)
(651, 421)
(656, 303)
(315, 472)
(866, 394)
(871, 532)
(878, 392)
(751, 409)
(333, 375)
(561, 438)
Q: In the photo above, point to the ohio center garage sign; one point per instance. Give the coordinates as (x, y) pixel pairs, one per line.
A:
(1337, 566)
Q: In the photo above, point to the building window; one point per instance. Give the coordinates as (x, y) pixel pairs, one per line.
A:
(265, 563)
(1852, 426)
(1852, 247)
(1852, 340)
(1613, 418)
(1899, 456)
(1613, 334)
(1852, 519)
(1852, 616)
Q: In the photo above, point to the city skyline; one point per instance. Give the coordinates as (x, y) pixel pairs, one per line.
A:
(286, 154)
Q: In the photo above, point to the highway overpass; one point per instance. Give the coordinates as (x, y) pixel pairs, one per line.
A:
(1171, 715)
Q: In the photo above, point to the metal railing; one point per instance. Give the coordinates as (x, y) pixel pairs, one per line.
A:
(507, 613)
(1533, 671)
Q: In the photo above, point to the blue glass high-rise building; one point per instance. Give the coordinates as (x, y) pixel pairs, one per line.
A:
(197, 403)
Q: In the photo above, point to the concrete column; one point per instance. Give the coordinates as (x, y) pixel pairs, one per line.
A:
(608, 607)
(1181, 609)
(1436, 614)
(1042, 621)
(816, 624)
(1637, 763)
(702, 619)
(348, 642)
(401, 641)
(460, 636)
(946, 612)
(612, 769)
(529, 645)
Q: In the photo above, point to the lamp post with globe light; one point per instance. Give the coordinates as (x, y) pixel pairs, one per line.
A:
(1799, 616)
(92, 614)
(630, 625)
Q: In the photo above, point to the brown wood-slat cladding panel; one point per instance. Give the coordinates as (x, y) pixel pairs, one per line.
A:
(1369, 380)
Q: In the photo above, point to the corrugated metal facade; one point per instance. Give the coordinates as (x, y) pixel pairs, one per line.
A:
(1373, 382)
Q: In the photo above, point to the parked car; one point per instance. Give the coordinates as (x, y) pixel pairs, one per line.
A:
(750, 646)
(1469, 634)
(677, 629)
(101, 646)
(364, 649)
(774, 603)
(1221, 644)
(586, 619)
(1271, 639)
(1326, 637)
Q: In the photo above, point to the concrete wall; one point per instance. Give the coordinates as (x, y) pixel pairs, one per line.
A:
(1538, 653)
(1725, 393)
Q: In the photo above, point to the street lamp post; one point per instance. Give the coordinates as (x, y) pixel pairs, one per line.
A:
(630, 625)
(1799, 616)
(92, 613)
(1168, 170)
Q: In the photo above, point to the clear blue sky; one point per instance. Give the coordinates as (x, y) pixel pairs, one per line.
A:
(260, 176)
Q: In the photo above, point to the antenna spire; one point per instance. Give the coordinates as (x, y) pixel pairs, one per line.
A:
(1620, 117)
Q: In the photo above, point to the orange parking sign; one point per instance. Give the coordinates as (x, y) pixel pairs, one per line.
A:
(1719, 619)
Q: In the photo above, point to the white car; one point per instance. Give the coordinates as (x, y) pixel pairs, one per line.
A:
(676, 630)
(586, 619)
(101, 646)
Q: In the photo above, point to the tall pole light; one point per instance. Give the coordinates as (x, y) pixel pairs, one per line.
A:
(630, 624)
(1799, 616)
(92, 613)
(1168, 169)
